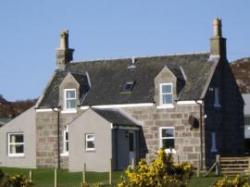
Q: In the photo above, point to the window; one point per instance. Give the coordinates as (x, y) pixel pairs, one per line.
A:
(166, 94)
(90, 142)
(216, 97)
(66, 141)
(213, 142)
(167, 139)
(247, 127)
(70, 99)
(15, 144)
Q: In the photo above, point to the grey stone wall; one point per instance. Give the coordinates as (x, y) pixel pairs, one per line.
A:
(46, 142)
(187, 140)
(47, 138)
(226, 121)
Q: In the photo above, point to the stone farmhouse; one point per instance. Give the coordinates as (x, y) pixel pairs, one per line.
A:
(126, 109)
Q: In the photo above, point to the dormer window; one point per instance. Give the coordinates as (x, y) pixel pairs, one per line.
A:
(70, 99)
(166, 94)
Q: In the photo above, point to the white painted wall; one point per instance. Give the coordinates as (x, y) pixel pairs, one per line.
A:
(26, 124)
(98, 160)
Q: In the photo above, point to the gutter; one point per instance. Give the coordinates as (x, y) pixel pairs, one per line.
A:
(201, 133)
(58, 136)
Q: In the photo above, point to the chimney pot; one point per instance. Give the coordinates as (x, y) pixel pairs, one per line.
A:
(64, 39)
(217, 27)
(64, 54)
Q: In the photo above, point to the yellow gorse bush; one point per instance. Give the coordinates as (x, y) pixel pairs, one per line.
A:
(161, 172)
(238, 181)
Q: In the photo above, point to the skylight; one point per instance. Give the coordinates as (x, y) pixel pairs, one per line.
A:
(128, 86)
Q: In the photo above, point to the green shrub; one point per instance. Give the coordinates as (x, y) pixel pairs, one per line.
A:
(161, 172)
(20, 181)
(14, 181)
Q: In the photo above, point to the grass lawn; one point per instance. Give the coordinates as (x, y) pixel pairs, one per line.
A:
(203, 181)
(44, 178)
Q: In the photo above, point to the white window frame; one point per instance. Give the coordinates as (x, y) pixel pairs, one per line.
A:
(168, 105)
(217, 98)
(88, 140)
(162, 138)
(65, 142)
(15, 144)
(66, 99)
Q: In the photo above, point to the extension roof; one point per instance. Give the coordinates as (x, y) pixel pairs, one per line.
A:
(108, 77)
(115, 117)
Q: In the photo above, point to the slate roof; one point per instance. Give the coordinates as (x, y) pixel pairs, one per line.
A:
(4, 121)
(115, 117)
(107, 78)
(241, 71)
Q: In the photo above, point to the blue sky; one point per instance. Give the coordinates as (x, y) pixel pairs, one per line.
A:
(102, 29)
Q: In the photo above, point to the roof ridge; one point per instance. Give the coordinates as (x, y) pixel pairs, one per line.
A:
(139, 57)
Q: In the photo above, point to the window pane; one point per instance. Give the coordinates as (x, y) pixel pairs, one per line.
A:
(166, 89)
(19, 138)
(247, 120)
(167, 99)
(66, 136)
(90, 136)
(19, 148)
(216, 97)
(12, 149)
(71, 104)
(131, 142)
(90, 144)
(167, 133)
(71, 94)
(168, 143)
(67, 146)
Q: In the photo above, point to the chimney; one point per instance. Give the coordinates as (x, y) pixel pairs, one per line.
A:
(217, 42)
(63, 54)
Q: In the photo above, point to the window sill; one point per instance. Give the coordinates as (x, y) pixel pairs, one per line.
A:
(65, 111)
(170, 151)
(16, 155)
(165, 106)
(90, 150)
(64, 154)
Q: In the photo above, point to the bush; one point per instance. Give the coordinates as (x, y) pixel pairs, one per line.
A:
(14, 181)
(161, 172)
(20, 181)
(238, 181)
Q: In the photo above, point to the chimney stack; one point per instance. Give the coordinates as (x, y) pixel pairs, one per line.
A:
(218, 43)
(63, 54)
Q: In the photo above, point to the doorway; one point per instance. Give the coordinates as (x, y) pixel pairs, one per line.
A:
(132, 148)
